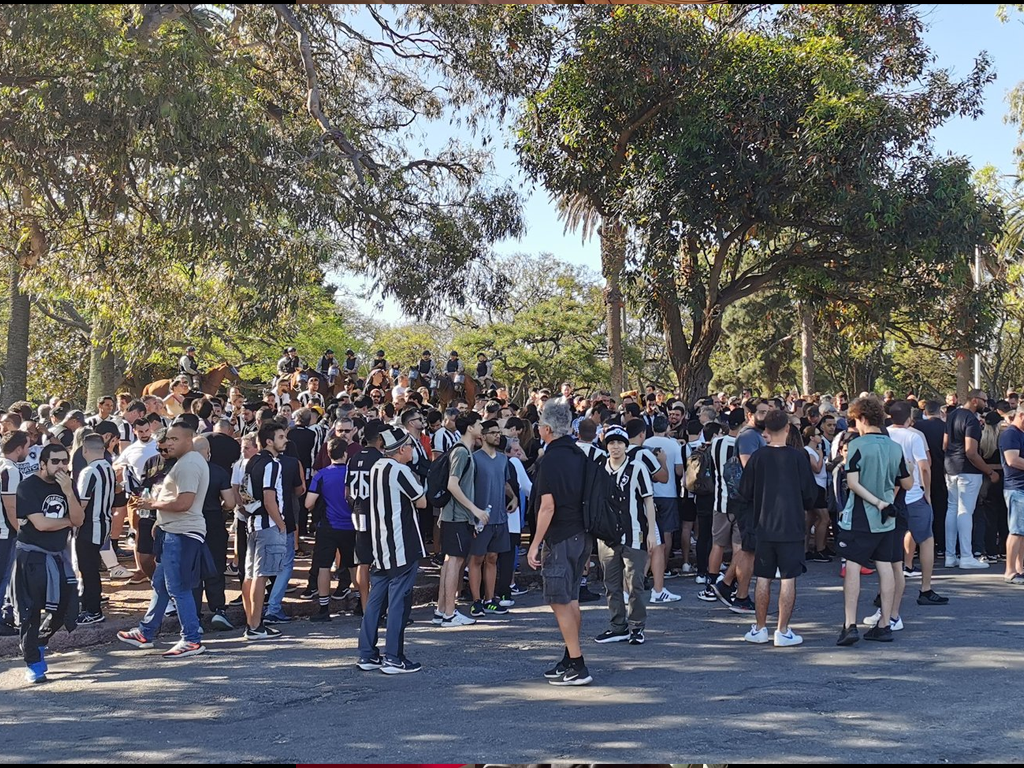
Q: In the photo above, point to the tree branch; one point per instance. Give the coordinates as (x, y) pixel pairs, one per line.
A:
(154, 16)
(70, 323)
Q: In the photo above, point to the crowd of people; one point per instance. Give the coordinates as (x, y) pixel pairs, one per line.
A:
(743, 490)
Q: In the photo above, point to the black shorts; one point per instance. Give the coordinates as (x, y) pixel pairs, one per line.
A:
(779, 559)
(364, 548)
(666, 514)
(144, 538)
(688, 510)
(821, 502)
(456, 539)
(120, 499)
(864, 547)
(493, 539)
(330, 540)
(743, 514)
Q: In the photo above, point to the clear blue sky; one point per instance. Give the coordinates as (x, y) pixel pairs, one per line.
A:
(956, 33)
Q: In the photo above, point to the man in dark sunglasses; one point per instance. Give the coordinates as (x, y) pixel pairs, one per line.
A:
(47, 511)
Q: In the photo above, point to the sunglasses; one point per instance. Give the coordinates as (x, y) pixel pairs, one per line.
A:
(58, 462)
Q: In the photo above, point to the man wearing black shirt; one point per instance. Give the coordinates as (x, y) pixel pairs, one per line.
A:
(558, 495)
(779, 485)
(224, 448)
(357, 491)
(220, 498)
(934, 430)
(48, 508)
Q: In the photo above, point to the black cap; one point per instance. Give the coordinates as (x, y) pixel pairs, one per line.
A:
(329, 352)
(349, 352)
(453, 353)
(190, 349)
(426, 352)
(380, 353)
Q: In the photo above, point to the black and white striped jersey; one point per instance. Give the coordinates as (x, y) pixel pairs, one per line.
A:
(634, 479)
(262, 473)
(10, 476)
(394, 523)
(96, 491)
(723, 448)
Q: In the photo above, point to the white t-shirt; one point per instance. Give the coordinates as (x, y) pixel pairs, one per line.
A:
(515, 521)
(673, 453)
(237, 476)
(915, 449)
(821, 476)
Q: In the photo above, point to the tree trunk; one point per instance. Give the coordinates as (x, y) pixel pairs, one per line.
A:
(16, 366)
(964, 371)
(694, 372)
(103, 377)
(613, 260)
(807, 348)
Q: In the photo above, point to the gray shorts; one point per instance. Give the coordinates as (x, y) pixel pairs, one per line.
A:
(493, 538)
(666, 512)
(725, 533)
(1015, 511)
(562, 566)
(919, 520)
(265, 552)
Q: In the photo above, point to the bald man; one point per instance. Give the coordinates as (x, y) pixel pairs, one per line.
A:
(217, 507)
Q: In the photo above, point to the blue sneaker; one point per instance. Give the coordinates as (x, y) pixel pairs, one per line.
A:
(273, 618)
(36, 673)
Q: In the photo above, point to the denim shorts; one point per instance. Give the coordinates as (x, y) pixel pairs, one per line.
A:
(1015, 511)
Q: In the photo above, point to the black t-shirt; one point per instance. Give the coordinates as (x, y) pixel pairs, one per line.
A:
(933, 431)
(560, 473)
(358, 484)
(304, 441)
(35, 495)
(780, 485)
(220, 480)
(63, 435)
(224, 450)
(291, 481)
(961, 424)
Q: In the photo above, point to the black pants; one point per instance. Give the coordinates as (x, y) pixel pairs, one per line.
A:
(506, 562)
(242, 539)
(302, 514)
(31, 584)
(940, 497)
(89, 567)
(703, 542)
(217, 543)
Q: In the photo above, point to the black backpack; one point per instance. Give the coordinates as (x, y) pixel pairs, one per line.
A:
(605, 504)
(440, 470)
(700, 474)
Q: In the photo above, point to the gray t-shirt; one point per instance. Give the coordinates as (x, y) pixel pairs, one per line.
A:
(462, 467)
(190, 474)
(491, 476)
(749, 441)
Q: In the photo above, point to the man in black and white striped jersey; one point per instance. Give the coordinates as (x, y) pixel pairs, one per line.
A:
(96, 492)
(443, 434)
(395, 495)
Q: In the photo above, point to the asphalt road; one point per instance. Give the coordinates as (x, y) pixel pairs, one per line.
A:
(949, 689)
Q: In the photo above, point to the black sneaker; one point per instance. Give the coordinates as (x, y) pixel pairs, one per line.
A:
(612, 636)
(724, 592)
(90, 618)
(494, 608)
(819, 557)
(586, 596)
(400, 667)
(849, 635)
(558, 670)
(437, 560)
(320, 617)
(830, 552)
(742, 605)
(477, 610)
(930, 598)
(879, 633)
(517, 590)
(648, 582)
(341, 593)
(707, 595)
(636, 636)
(877, 602)
(309, 594)
(219, 620)
(373, 662)
(573, 675)
(262, 632)
(672, 574)
(236, 601)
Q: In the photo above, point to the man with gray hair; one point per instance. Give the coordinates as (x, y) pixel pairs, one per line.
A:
(558, 498)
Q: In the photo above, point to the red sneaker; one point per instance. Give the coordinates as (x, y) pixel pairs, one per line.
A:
(134, 637)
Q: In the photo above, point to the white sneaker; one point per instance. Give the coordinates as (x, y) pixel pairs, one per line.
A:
(874, 618)
(896, 624)
(687, 570)
(972, 563)
(438, 618)
(755, 635)
(119, 572)
(952, 562)
(506, 603)
(664, 596)
(457, 620)
(790, 638)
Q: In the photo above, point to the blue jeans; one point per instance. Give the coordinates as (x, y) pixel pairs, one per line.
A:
(395, 587)
(281, 580)
(176, 575)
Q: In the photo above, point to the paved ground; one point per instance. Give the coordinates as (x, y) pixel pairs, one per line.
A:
(950, 689)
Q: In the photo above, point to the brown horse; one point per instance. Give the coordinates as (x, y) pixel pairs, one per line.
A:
(209, 383)
(446, 391)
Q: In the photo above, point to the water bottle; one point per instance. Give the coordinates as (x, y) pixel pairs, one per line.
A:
(480, 526)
